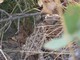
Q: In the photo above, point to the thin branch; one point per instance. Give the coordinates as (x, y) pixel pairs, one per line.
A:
(19, 15)
(3, 54)
(37, 52)
(4, 12)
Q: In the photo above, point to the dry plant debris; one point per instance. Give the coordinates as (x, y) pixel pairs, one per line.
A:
(43, 32)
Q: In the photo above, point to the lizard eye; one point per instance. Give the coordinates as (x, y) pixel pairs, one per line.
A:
(46, 1)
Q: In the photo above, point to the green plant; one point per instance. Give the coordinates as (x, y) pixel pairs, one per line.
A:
(72, 23)
(19, 6)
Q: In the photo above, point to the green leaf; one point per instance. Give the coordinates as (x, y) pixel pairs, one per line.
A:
(72, 18)
(56, 44)
(78, 36)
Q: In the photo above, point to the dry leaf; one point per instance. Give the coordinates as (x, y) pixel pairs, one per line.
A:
(21, 36)
(48, 6)
(1, 1)
(40, 3)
